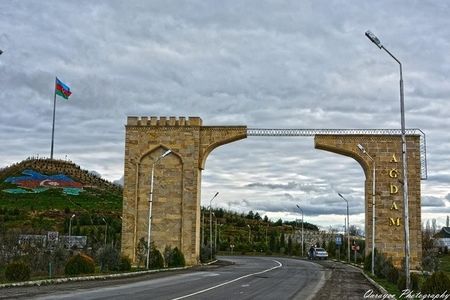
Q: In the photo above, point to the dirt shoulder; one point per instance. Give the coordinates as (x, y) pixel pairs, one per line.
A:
(344, 282)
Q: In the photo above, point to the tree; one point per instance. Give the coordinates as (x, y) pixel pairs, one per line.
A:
(331, 248)
(333, 230)
(427, 239)
(141, 252)
(289, 246)
(266, 219)
(272, 242)
(355, 231)
(282, 242)
(250, 215)
(430, 259)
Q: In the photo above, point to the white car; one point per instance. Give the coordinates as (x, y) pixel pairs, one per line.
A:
(320, 253)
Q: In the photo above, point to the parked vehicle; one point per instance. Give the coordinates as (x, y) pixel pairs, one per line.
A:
(318, 253)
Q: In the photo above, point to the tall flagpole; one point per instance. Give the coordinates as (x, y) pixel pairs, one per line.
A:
(53, 127)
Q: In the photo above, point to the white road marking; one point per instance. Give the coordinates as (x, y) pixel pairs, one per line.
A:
(231, 281)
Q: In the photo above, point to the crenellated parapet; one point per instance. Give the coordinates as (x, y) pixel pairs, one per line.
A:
(164, 121)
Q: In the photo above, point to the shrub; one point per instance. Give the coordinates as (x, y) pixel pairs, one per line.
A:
(401, 282)
(368, 261)
(205, 254)
(392, 274)
(380, 261)
(176, 258)
(156, 258)
(79, 264)
(437, 283)
(430, 262)
(125, 263)
(17, 271)
(384, 268)
(389, 271)
(109, 258)
(59, 258)
(173, 257)
(415, 281)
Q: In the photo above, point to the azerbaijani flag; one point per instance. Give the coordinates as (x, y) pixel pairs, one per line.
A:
(61, 89)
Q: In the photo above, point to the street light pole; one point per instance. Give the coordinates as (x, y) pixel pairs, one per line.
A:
(215, 233)
(363, 150)
(203, 229)
(267, 244)
(220, 226)
(377, 42)
(302, 226)
(151, 203)
(70, 230)
(210, 225)
(106, 230)
(70, 225)
(348, 229)
(249, 233)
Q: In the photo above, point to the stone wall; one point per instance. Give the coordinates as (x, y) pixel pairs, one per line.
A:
(177, 180)
(389, 222)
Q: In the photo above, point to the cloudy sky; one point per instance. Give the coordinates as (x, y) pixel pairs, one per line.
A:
(264, 64)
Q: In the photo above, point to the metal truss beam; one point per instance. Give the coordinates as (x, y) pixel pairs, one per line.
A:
(313, 132)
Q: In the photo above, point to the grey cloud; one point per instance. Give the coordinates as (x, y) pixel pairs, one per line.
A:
(286, 202)
(432, 202)
(261, 65)
(437, 210)
(288, 186)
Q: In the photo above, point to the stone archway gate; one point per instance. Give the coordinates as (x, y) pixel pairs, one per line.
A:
(177, 183)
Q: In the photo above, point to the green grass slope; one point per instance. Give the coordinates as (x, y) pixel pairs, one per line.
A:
(50, 209)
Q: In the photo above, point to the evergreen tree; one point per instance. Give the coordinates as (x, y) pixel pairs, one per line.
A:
(289, 246)
(282, 245)
(272, 242)
(282, 241)
(277, 245)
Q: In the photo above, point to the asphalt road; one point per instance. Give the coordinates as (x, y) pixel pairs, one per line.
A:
(246, 278)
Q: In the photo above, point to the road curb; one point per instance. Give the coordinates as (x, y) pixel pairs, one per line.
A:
(210, 263)
(86, 278)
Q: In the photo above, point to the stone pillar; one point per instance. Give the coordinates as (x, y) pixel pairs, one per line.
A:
(386, 151)
(177, 180)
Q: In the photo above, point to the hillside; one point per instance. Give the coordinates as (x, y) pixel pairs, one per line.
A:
(42, 194)
(51, 167)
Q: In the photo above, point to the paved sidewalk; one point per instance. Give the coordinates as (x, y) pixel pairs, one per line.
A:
(344, 282)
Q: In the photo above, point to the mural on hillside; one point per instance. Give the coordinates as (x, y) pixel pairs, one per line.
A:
(35, 182)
